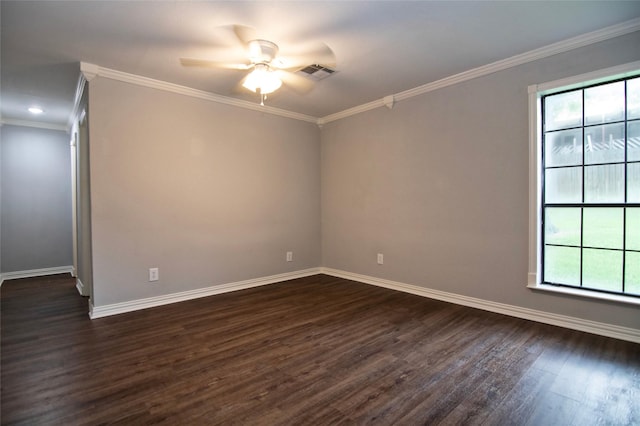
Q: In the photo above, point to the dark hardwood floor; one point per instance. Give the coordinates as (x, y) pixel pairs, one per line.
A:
(317, 350)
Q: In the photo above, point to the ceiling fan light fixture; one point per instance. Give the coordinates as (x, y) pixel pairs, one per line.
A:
(262, 51)
(262, 79)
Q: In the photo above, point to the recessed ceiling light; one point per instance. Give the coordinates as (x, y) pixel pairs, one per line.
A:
(35, 110)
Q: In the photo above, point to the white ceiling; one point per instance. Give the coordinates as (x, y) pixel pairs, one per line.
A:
(381, 47)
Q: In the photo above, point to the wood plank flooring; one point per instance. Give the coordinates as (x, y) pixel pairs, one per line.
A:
(318, 350)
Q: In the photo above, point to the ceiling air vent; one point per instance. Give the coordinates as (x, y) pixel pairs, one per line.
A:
(316, 71)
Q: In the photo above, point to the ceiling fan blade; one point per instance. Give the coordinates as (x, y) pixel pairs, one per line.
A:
(317, 53)
(189, 62)
(297, 82)
(245, 34)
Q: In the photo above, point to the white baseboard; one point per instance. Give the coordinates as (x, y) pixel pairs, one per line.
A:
(82, 289)
(35, 273)
(602, 329)
(150, 302)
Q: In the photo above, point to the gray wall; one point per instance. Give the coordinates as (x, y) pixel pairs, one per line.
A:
(439, 185)
(212, 194)
(36, 199)
(208, 193)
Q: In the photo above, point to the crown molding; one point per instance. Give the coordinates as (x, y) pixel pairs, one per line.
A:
(533, 55)
(90, 71)
(99, 71)
(35, 124)
(352, 111)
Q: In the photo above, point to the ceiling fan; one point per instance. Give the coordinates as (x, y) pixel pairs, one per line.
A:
(270, 69)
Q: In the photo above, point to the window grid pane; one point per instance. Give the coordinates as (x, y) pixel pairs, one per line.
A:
(591, 188)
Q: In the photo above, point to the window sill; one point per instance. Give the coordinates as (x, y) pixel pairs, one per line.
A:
(586, 294)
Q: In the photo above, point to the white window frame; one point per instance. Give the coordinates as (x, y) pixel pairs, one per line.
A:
(536, 91)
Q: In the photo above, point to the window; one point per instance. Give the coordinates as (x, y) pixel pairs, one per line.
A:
(587, 184)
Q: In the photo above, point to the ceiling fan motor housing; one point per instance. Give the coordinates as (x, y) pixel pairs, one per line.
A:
(262, 51)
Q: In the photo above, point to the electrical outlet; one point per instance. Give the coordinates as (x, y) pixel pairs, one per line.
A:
(154, 274)
(380, 258)
(289, 256)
